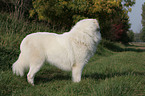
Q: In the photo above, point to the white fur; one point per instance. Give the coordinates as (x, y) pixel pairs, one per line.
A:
(68, 51)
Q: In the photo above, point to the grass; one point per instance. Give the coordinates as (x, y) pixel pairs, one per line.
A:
(115, 69)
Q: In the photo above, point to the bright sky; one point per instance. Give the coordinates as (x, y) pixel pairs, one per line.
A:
(135, 16)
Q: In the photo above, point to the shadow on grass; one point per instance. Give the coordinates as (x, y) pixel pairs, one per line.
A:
(134, 49)
(111, 75)
(51, 75)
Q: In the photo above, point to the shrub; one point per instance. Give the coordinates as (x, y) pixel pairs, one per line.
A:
(65, 13)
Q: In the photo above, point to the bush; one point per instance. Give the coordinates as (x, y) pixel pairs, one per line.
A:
(131, 36)
(65, 13)
(142, 34)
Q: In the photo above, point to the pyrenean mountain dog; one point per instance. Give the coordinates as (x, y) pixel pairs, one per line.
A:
(68, 51)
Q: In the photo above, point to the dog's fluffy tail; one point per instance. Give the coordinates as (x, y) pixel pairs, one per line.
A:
(19, 66)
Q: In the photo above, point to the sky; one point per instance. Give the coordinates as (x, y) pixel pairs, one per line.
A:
(135, 16)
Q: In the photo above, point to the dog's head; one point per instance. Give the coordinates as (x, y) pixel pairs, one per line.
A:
(87, 26)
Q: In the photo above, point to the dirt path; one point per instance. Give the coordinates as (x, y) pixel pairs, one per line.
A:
(137, 45)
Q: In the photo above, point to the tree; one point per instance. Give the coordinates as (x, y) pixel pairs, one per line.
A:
(137, 37)
(128, 3)
(143, 15)
(65, 13)
(131, 35)
(142, 34)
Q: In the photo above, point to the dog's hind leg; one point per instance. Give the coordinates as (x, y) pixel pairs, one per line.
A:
(34, 68)
(32, 71)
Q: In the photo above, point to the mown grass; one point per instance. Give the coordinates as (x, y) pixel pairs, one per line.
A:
(115, 70)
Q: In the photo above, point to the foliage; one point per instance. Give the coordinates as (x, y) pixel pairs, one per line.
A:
(127, 4)
(142, 34)
(143, 15)
(137, 37)
(131, 35)
(143, 23)
(62, 14)
(119, 33)
(17, 8)
(65, 13)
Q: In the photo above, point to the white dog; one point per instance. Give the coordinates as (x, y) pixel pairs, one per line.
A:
(68, 51)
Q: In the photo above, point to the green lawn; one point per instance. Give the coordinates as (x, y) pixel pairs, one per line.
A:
(117, 74)
(115, 70)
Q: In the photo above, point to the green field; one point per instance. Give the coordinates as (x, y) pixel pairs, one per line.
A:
(115, 69)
